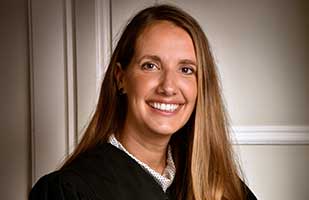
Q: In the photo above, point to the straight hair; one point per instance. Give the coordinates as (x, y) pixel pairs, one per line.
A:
(205, 166)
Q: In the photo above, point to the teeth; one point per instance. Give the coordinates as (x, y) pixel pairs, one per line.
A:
(164, 106)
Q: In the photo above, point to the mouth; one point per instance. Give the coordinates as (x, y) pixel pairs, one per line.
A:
(165, 107)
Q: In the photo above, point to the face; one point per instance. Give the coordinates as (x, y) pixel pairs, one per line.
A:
(160, 83)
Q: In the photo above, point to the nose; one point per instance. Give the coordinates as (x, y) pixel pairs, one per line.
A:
(167, 85)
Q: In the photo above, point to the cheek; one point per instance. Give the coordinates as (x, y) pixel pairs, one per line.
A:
(190, 90)
(139, 85)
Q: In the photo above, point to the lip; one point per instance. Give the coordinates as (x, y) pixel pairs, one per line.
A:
(165, 101)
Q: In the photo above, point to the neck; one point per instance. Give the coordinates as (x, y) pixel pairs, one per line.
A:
(151, 150)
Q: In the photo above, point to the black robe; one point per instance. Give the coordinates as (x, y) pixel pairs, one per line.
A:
(104, 173)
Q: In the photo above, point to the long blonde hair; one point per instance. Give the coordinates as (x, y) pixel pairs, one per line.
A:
(203, 154)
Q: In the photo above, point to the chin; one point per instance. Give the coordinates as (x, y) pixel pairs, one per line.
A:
(165, 131)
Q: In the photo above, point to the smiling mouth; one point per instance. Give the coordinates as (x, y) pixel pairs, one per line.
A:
(166, 107)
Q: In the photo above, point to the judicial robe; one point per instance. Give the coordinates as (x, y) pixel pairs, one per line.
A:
(104, 173)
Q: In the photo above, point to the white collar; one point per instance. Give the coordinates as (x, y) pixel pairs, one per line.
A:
(164, 180)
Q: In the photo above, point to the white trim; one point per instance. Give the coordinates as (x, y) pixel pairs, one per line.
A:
(103, 38)
(270, 134)
(52, 84)
(71, 77)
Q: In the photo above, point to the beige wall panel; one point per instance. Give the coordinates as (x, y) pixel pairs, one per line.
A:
(276, 172)
(49, 87)
(14, 101)
(85, 61)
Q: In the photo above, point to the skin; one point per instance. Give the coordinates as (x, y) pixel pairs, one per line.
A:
(162, 70)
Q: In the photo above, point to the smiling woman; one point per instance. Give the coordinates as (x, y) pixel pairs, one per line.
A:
(161, 90)
(159, 130)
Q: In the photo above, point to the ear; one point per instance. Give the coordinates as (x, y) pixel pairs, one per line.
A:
(119, 76)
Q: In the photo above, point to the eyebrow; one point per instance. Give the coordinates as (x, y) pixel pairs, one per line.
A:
(158, 59)
(187, 62)
(151, 57)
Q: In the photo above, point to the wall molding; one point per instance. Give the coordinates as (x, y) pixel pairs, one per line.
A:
(270, 135)
(70, 72)
(51, 39)
(103, 38)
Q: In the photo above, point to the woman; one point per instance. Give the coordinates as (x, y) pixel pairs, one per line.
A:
(159, 130)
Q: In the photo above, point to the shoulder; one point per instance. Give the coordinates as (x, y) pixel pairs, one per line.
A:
(61, 185)
(80, 179)
(93, 162)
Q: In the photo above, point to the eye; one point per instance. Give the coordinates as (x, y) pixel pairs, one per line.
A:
(187, 70)
(149, 66)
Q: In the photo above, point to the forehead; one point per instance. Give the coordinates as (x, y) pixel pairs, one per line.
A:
(158, 26)
(164, 35)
